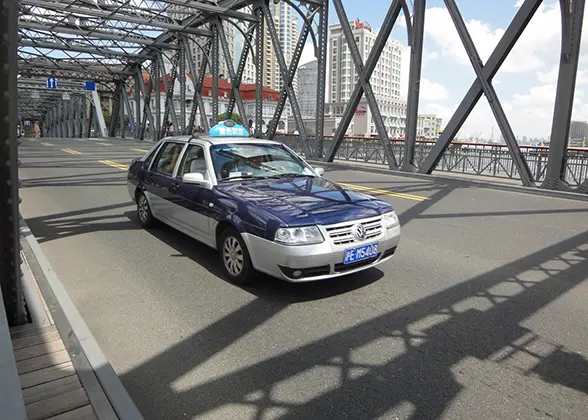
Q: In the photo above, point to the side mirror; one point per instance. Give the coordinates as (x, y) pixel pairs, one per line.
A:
(195, 178)
(320, 171)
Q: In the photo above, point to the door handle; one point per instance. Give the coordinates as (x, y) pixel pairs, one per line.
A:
(174, 186)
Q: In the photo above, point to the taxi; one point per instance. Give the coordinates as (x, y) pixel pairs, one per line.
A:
(261, 206)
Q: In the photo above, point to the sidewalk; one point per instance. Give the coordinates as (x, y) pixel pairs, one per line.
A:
(62, 372)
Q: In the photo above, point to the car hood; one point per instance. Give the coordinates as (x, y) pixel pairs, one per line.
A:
(301, 201)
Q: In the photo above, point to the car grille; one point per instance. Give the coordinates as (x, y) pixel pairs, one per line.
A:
(343, 234)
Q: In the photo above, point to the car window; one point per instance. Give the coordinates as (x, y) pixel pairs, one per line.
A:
(151, 154)
(234, 161)
(193, 161)
(167, 158)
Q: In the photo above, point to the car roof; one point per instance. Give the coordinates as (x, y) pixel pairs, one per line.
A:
(221, 140)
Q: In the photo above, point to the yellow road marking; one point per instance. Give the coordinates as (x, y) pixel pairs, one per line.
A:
(114, 164)
(384, 192)
(71, 151)
(104, 144)
(140, 150)
(47, 144)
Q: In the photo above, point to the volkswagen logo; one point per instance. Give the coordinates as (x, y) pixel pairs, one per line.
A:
(359, 232)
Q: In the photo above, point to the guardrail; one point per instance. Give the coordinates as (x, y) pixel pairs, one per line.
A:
(11, 400)
(468, 158)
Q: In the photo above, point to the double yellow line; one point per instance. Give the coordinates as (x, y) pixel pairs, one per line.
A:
(384, 192)
(47, 144)
(114, 164)
(72, 152)
(140, 150)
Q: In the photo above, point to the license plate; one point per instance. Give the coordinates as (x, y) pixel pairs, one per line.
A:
(360, 253)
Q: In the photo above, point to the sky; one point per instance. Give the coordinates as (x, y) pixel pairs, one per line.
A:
(525, 84)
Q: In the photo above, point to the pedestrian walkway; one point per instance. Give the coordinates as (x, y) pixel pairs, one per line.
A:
(52, 367)
(50, 385)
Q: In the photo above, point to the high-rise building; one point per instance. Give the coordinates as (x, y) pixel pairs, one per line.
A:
(307, 84)
(578, 130)
(428, 126)
(385, 79)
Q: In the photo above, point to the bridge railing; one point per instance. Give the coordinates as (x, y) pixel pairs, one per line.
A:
(461, 157)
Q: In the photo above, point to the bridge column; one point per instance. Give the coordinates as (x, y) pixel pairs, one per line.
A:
(84, 120)
(10, 273)
(321, 55)
(139, 89)
(71, 118)
(572, 17)
(58, 120)
(414, 83)
(259, 60)
(99, 116)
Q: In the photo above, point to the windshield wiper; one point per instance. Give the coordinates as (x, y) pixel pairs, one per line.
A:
(284, 175)
(233, 178)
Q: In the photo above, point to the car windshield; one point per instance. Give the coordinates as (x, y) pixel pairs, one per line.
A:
(249, 160)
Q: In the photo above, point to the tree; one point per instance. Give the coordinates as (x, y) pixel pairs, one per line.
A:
(234, 117)
(107, 117)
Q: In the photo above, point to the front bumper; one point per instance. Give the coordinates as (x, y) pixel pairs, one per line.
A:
(316, 262)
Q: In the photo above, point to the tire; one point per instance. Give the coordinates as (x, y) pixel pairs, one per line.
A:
(144, 211)
(238, 270)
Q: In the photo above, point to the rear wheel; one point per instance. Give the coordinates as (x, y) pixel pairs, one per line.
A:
(235, 257)
(144, 211)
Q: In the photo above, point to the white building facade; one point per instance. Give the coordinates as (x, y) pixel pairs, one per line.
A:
(385, 80)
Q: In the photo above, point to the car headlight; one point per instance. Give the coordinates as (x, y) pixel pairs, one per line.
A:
(391, 220)
(305, 235)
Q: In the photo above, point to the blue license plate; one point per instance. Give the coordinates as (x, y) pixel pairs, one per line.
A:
(360, 253)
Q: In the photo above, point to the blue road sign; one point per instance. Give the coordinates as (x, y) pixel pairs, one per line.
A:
(90, 85)
(52, 83)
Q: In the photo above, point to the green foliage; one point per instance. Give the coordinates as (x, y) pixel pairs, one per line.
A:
(234, 117)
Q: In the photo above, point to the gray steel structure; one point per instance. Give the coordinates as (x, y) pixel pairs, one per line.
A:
(572, 19)
(117, 43)
(127, 48)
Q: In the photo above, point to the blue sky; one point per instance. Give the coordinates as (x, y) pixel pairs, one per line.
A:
(525, 84)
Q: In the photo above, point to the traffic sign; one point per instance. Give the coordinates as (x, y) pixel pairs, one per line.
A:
(90, 85)
(52, 83)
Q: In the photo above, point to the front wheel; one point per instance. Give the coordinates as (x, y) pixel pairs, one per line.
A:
(235, 257)
(144, 211)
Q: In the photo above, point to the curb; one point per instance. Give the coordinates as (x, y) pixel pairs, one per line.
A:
(466, 182)
(93, 369)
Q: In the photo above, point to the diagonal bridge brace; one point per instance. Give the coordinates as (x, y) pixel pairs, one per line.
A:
(284, 70)
(363, 85)
(287, 82)
(481, 85)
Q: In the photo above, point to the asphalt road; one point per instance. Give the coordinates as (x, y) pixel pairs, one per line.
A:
(481, 314)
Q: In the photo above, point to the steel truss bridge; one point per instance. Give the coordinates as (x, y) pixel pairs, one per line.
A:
(115, 43)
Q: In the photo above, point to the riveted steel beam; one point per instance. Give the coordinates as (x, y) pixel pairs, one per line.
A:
(235, 82)
(321, 55)
(364, 74)
(494, 102)
(271, 25)
(259, 61)
(10, 272)
(287, 82)
(572, 18)
(198, 101)
(489, 70)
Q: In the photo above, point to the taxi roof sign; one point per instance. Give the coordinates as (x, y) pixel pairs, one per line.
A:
(228, 128)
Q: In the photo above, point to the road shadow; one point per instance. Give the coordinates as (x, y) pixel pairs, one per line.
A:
(412, 362)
